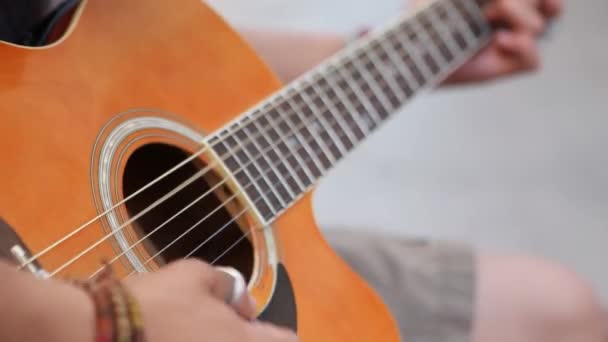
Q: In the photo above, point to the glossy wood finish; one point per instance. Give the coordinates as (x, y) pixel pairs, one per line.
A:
(144, 53)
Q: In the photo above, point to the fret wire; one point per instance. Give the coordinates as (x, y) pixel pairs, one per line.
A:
(332, 109)
(443, 31)
(461, 22)
(398, 62)
(321, 143)
(372, 114)
(399, 93)
(330, 131)
(367, 62)
(363, 100)
(372, 83)
(344, 98)
(294, 152)
(267, 161)
(256, 166)
(423, 33)
(288, 164)
(304, 190)
(409, 59)
(472, 16)
(306, 145)
(476, 11)
(276, 150)
(352, 91)
(414, 52)
(242, 168)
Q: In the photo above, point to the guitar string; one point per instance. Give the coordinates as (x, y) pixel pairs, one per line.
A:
(262, 174)
(260, 155)
(283, 159)
(237, 216)
(254, 114)
(274, 105)
(225, 226)
(464, 55)
(294, 112)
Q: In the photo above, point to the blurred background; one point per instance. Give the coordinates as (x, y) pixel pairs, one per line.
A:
(517, 165)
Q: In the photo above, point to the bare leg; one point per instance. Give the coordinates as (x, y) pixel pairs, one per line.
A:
(522, 299)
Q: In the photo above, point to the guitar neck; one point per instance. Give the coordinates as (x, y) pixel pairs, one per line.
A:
(281, 147)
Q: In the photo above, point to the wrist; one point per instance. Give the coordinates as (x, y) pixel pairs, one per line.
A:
(70, 315)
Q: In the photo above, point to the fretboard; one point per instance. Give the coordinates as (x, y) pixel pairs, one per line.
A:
(279, 149)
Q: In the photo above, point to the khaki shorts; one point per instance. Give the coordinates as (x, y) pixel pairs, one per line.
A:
(428, 285)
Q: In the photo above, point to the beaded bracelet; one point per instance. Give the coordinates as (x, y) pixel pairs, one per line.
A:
(117, 314)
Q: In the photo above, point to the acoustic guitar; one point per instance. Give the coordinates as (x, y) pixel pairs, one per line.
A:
(150, 131)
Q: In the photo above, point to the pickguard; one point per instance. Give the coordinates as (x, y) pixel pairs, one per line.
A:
(282, 307)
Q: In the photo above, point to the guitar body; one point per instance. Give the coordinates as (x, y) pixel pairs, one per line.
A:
(181, 58)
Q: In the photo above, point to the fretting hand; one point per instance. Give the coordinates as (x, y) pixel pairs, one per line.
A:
(514, 48)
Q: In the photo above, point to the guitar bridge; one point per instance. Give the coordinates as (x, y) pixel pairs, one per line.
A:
(13, 249)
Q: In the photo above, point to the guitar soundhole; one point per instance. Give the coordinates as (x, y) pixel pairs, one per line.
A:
(151, 161)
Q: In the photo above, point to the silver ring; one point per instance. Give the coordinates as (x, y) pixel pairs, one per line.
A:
(238, 286)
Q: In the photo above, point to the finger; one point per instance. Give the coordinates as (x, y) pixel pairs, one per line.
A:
(552, 8)
(233, 289)
(224, 284)
(522, 46)
(517, 15)
(517, 51)
(264, 332)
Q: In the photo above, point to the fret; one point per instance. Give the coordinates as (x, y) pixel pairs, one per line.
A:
(401, 75)
(285, 143)
(347, 139)
(389, 94)
(303, 113)
(269, 162)
(311, 125)
(226, 154)
(253, 173)
(275, 153)
(404, 57)
(362, 128)
(413, 50)
(297, 142)
(261, 178)
(380, 110)
(432, 40)
(474, 7)
(306, 138)
(422, 46)
(323, 127)
(369, 116)
(373, 86)
(472, 16)
(381, 65)
(439, 27)
(270, 172)
(344, 117)
(463, 37)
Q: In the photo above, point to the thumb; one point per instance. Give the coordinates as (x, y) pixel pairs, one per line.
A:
(231, 287)
(223, 283)
(264, 332)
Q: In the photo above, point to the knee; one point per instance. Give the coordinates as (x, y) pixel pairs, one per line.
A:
(550, 299)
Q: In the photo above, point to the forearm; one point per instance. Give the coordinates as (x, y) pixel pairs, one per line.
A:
(291, 54)
(36, 310)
